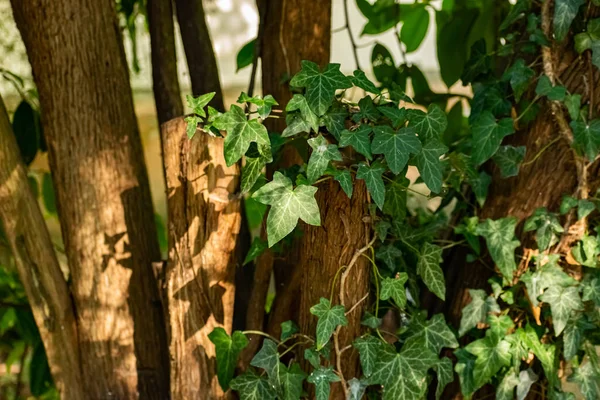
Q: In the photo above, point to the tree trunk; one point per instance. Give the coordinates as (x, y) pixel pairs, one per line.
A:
(202, 64)
(286, 24)
(107, 221)
(204, 223)
(38, 267)
(165, 81)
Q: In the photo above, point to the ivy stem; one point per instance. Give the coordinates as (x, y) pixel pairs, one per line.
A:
(449, 246)
(259, 333)
(539, 153)
(535, 99)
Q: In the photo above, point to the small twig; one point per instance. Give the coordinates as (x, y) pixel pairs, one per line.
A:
(590, 85)
(352, 42)
(259, 333)
(357, 304)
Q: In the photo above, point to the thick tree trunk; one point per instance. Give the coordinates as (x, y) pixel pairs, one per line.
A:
(199, 53)
(107, 221)
(164, 60)
(204, 222)
(286, 24)
(38, 267)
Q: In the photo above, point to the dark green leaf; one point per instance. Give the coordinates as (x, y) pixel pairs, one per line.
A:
(257, 247)
(329, 319)
(288, 329)
(245, 55)
(563, 301)
(322, 153)
(429, 125)
(477, 310)
(488, 134)
(251, 386)
(434, 333)
(429, 164)
(394, 288)
(368, 347)
(344, 178)
(519, 75)
(322, 378)
(587, 137)
(428, 267)
(366, 110)
(500, 238)
(395, 197)
(414, 28)
(397, 146)
(48, 193)
(444, 375)
(358, 139)
(372, 177)
(360, 80)
(564, 13)
(228, 348)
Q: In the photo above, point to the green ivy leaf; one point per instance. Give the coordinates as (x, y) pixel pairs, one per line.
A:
(402, 375)
(567, 204)
(320, 86)
(360, 80)
(335, 119)
(564, 13)
(573, 335)
(480, 187)
(251, 172)
(444, 374)
(388, 254)
(429, 164)
(526, 379)
(197, 104)
(246, 55)
(329, 319)
(240, 133)
(228, 348)
(545, 88)
(429, 125)
(586, 137)
(492, 354)
(428, 267)
(358, 139)
(477, 310)
(434, 333)
(464, 369)
(573, 104)
(357, 388)
(366, 110)
(584, 208)
(322, 154)
(563, 301)
(500, 238)
(291, 380)
(506, 388)
(546, 275)
(370, 320)
(263, 105)
(395, 197)
(396, 115)
(519, 75)
(547, 225)
(468, 229)
(368, 347)
(478, 63)
(257, 247)
(267, 358)
(397, 146)
(344, 178)
(192, 125)
(488, 134)
(414, 28)
(288, 329)
(508, 159)
(300, 117)
(591, 288)
(588, 379)
(586, 251)
(394, 288)
(372, 177)
(322, 378)
(287, 206)
(251, 386)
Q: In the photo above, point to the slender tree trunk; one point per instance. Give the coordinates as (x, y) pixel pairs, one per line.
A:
(165, 81)
(76, 53)
(38, 267)
(287, 23)
(201, 60)
(204, 223)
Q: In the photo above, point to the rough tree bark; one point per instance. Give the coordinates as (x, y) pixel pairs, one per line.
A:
(38, 266)
(103, 193)
(286, 23)
(204, 223)
(201, 61)
(165, 81)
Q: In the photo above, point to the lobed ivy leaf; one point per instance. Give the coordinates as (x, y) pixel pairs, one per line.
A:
(359, 140)
(197, 104)
(428, 267)
(192, 125)
(564, 13)
(586, 251)
(429, 125)
(573, 335)
(395, 197)
(329, 319)
(267, 358)
(586, 137)
(252, 171)
(519, 75)
(547, 228)
(480, 187)
(240, 133)
(500, 238)
(287, 206)
(591, 288)
(290, 380)
(370, 320)
(300, 117)
(545, 276)
(402, 375)
(372, 175)
(335, 119)
(320, 86)
(508, 159)
(251, 386)
(588, 379)
(584, 208)
(434, 333)
(366, 110)
(227, 349)
(394, 288)
(477, 310)
(444, 375)
(397, 116)
(567, 204)
(492, 354)
(388, 254)
(396, 146)
(344, 178)
(573, 104)
(322, 378)
(464, 369)
(506, 388)
(322, 154)
(545, 88)
(360, 80)
(368, 348)
(429, 164)
(263, 105)
(563, 301)
(488, 134)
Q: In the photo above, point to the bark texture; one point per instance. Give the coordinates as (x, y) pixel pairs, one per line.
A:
(323, 250)
(165, 81)
(204, 223)
(199, 53)
(38, 266)
(76, 53)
